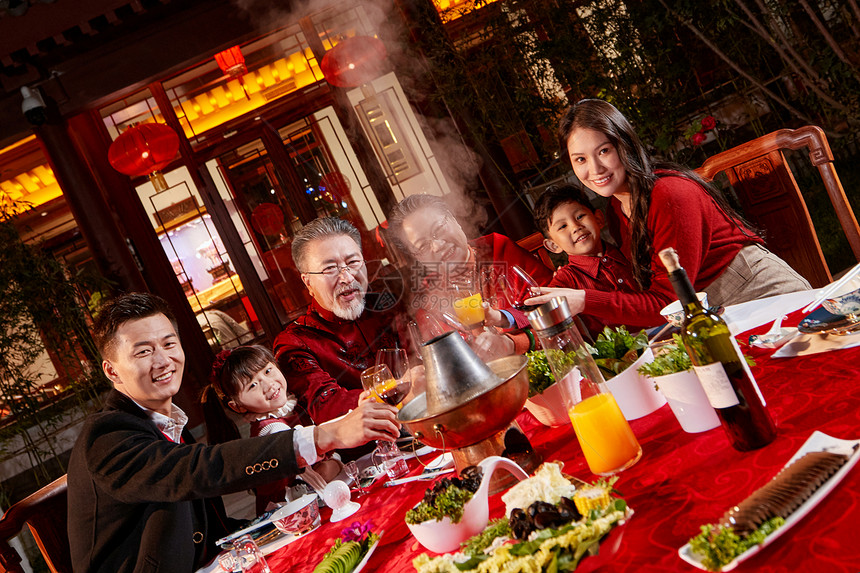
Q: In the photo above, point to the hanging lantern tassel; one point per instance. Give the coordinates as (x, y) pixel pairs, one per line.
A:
(145, 149)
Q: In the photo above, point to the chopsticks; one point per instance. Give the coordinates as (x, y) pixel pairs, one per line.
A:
(830, 290)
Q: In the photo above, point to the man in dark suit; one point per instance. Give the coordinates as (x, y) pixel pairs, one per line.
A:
(142, 495)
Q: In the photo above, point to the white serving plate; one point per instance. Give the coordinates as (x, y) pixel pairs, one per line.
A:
(817, 442)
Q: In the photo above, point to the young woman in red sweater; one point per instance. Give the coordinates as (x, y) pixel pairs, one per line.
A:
(655, 206)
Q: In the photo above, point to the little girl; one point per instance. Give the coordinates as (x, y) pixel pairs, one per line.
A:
(246, 380)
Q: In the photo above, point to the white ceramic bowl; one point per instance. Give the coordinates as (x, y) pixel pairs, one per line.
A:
(299, 516)
(674, 312)
(847, 303)
(634, 392)
(445, 536)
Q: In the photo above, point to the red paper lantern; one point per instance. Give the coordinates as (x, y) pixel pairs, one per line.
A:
(231, 61)
(354, 61)
(143, 149)
(333, 186)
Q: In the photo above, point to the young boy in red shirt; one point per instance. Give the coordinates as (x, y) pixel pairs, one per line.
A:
(571, 225)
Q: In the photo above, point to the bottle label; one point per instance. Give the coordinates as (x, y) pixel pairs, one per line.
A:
(748, 371)
(717, 386)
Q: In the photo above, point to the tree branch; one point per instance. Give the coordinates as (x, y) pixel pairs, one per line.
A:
(834, 45)
(723, 56)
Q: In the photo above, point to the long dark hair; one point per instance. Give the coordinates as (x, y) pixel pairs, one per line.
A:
(602, 116)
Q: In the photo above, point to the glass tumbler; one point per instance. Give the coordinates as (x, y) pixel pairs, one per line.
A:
(388, 458)
(249, 556)
(605, 437)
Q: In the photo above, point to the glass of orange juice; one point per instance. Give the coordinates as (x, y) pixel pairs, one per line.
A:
(468, 303)
(470, 310)
(604, 435)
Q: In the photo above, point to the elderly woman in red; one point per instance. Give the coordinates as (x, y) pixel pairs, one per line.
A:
(424, 227)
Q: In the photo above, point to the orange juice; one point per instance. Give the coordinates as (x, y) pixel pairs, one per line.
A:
(604, 435)
(470, 310)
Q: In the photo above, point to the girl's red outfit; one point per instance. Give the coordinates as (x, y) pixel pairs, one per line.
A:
(682, 215)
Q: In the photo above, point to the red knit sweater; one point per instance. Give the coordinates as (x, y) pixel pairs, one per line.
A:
(682, 215)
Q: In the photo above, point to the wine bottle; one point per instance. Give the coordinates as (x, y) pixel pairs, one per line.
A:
(720, 365)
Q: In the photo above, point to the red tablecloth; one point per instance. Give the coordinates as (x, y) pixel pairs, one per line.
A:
(682, 481)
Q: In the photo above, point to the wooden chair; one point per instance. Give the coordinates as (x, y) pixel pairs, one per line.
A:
(46, 514)
(770, 197)
(534, 244)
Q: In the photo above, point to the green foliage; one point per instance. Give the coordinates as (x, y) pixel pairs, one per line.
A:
(540, 375)
(496, 528)
(449, 503)
(616, 349)
(672, 359)
(517, 64)
(40, 310)
(719, 545)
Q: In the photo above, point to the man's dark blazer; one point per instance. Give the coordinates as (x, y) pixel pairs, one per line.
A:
(138, 501)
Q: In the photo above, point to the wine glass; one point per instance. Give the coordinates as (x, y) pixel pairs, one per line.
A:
(390, 378)
(381, 383)
(427, 326)
(453, 322)
(351, 469)
(519, 286)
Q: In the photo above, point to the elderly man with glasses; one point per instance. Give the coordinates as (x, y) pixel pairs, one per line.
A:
(323, 353)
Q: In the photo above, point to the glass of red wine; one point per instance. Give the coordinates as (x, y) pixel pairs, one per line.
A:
(382, 385)
(389, 381)
(519, 286)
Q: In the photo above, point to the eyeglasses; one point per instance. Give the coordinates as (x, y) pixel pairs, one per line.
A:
(423, 248)
(332, 271)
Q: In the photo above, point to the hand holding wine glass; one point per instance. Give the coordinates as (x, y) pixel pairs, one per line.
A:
(391, 389)
(519, 286)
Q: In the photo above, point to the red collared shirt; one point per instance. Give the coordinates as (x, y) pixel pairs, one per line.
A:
(608, 272)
